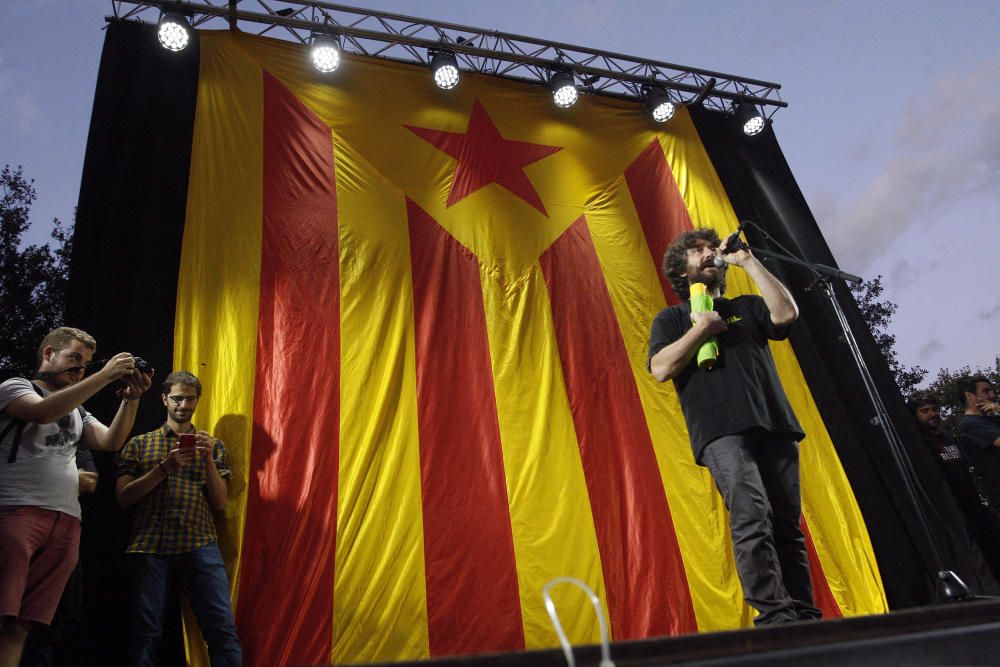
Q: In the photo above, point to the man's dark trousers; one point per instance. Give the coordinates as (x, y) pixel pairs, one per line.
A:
(757, 473)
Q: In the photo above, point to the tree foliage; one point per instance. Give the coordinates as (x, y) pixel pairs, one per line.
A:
(33, 278)
(878, 312)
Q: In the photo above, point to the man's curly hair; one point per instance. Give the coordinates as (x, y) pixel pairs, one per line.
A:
(919, 399)
(675, 260)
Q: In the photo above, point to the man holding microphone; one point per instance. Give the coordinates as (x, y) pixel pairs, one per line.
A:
(740, 422)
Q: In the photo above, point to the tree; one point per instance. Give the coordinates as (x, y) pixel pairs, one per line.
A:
(33, 278)
(878, 313)
(945, 388)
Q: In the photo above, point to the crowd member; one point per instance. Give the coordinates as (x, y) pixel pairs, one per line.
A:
(739, 419)
(979, 431)
(42, 424)
(963, 479)
(173, 490)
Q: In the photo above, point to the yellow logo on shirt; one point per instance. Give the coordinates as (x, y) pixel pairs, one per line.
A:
(733, 319)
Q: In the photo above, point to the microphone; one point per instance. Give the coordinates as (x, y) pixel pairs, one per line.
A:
(732, 243)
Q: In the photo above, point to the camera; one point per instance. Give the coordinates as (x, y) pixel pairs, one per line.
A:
(142, 365)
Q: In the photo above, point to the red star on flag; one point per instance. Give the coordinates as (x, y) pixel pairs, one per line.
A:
(485, 157)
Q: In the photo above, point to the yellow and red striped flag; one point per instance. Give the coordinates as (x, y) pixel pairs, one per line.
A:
(421, 318)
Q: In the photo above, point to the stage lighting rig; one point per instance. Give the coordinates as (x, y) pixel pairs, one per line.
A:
(173, 31)
(751, 119)
(410, 39)
(659, 104)
(563, 87)
(324, 51)
(444, 65)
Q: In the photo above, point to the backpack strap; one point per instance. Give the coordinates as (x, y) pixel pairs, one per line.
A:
(18, 427)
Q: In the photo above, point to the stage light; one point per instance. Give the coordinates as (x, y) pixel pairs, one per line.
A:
(444, 65)
(660, 106)
(324, 51)
(173, 31)
(751, 119)
(563, 87)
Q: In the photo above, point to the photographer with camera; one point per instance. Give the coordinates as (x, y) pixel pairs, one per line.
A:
(42, 424)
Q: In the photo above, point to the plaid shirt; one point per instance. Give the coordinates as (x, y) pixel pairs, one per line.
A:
(174, 517)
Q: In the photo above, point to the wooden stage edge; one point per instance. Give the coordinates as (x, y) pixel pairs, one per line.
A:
(963, 633)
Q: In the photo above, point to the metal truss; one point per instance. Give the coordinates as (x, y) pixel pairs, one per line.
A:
(408, 39)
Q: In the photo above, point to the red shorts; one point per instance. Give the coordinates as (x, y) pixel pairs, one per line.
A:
(38, 552)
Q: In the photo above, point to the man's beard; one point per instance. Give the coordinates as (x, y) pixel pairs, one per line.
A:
(61, 379)
(713, 280)
(928, 427)
(183, 419)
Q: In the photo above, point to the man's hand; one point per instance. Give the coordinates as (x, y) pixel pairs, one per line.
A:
(989, 408)
(178, 458)
(737, 257)
(88, 482)
(709, 323)
(118, 366)
(136, 384)
(206, 446)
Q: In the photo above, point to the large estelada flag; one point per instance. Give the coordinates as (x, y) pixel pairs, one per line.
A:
(421, 319)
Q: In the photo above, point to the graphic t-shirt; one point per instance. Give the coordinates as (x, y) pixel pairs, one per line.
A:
(45, 473)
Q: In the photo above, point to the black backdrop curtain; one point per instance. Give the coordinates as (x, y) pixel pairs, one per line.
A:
(123, 281)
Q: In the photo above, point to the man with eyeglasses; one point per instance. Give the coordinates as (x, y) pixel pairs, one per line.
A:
(173, 478)
(42, 424)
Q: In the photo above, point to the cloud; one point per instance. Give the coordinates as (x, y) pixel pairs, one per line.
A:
(947, 148)
(901, 274)
(20, 109)
(929, 349)
(992, 313)
(823, 205)
(26, 111)
(590, 14)
(4, 78)
(861, 152)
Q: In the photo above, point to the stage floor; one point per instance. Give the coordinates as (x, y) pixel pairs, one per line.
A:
(966, 633)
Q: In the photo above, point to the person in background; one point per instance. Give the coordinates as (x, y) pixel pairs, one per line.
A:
(963, 479)
(979, 431)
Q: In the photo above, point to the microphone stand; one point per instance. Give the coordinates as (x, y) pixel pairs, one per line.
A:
(950, 587)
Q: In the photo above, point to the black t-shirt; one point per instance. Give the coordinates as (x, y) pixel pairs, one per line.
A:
(742, 391)
(955, 467)
(976, 435)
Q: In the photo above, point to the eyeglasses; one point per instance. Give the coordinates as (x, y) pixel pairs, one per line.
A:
(183, 399)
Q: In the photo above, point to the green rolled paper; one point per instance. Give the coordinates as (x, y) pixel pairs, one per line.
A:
(701, 302)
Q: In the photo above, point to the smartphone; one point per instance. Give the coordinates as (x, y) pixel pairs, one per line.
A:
(188, 440)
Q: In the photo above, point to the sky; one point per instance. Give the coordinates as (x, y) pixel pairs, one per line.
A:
(892, 129)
